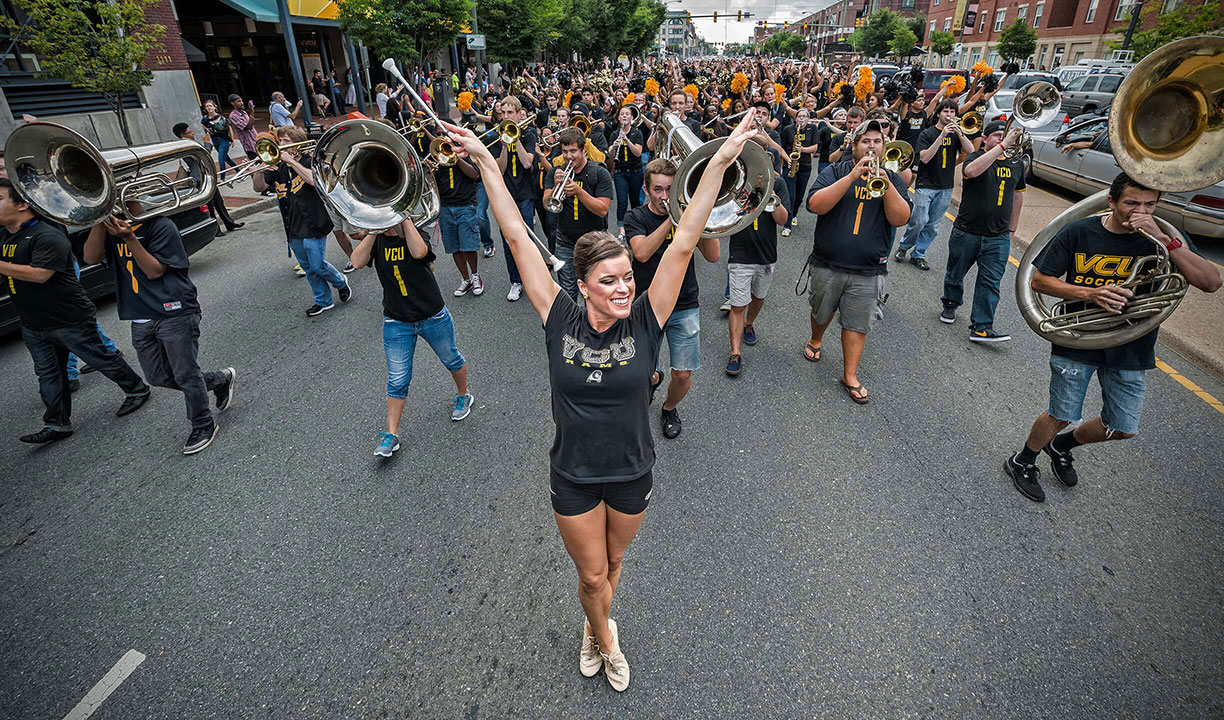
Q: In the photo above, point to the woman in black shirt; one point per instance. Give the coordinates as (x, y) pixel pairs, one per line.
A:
(600, 361)
(412, 308)
(217, 130)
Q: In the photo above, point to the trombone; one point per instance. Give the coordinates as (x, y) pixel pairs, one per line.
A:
(556, 202)
(267, 157)
(970, 123)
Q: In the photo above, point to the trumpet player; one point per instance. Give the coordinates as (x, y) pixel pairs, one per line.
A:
(849, 259)
(938, 148)
(515, 162)
(587, 197)
(992, 196)
(1086, 261)
(626, 151)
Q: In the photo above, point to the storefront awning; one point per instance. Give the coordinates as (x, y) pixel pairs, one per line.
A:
(193, 53)
(304, 12)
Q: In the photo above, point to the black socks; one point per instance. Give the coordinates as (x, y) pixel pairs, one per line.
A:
(1065, 442)
(1026, 456)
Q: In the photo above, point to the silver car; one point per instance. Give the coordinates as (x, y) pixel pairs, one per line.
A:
(1088, 170)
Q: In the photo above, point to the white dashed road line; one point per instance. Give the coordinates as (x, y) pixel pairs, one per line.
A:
(107, 685)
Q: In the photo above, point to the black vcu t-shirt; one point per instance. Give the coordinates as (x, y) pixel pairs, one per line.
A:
(641, 220)
(1085, 253)
(626, 161)
(757, 244)
(301, 208)
(940, 172)
(518, 178)
(575, 220)
(410, 290)
(143, 298)
(600, 385)
(806, 135)
(60, 301)
(986, 200)
(455, 188)
(855, 235)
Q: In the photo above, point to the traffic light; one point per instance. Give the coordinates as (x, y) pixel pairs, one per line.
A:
(805, 28)
(715, 16)
(764, 24)
(739, 16)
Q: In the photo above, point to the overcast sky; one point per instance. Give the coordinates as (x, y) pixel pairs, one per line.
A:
(773, 12)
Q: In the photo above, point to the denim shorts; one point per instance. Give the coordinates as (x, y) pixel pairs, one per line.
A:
(683, 340)
(399, 344)
(460, 231)
(1121, 390)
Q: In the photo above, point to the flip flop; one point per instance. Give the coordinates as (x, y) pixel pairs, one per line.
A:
(815, 356)
(851, 389)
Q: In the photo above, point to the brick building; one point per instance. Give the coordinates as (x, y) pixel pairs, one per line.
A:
(1068, 31)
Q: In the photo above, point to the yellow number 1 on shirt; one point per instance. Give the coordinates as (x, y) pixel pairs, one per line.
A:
(858, 216)
(400, 279)
(135, 285)
(1001, 184)
(944, 154)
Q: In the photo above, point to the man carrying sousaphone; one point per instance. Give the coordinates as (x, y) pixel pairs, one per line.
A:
(600, 359)
(1086, 261)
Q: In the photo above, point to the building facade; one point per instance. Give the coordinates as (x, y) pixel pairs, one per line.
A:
(677, 36)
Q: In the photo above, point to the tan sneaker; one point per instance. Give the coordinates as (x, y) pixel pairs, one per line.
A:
(616, 667)
(589, 661)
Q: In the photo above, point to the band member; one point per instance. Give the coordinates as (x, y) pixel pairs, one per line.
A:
(57, 317)
(588, 195)
(600, 358)
(154, 292)
(677, 102)
(1085, 262)
(800, 135)
(752, 259)
(307, 223)
(840, 142)
(457, 221)
(412, 308)
(937, 152)
(216, 203)
(516, 163)
(778, 117)
(546, 118)
(626, 150)
(913, 121)
(650, 232)
(991, 199)
(849, 259)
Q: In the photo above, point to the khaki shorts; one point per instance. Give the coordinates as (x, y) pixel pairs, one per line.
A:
(749, 281)
(859, 298)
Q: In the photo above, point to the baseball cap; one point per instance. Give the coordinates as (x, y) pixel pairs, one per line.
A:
(993, 126)
(234, 96)
(863, 127)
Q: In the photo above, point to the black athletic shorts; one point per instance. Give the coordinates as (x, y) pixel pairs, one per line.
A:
(571, 498)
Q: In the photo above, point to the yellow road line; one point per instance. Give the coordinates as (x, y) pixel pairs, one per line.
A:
(1166, 368)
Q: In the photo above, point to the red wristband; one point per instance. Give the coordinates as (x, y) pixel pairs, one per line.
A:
(1173, 244)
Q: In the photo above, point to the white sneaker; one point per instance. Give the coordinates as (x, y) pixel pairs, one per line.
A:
(516, 292)
(348, 268)
(477, 284)
(786, 231)
(463, 288)
(297, 270)
(589, 660)
(725, 307)
(488, 252)
(616, 667)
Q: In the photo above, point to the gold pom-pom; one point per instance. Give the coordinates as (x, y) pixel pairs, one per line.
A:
(464, 101)
(652, 86)
(738, 82)
(629, 99)
(837, 87)
(726, 105)
(981, 68)
(569, 95)
(864, 71)
(779, 90)
(953, 86)
(691, 89)
(863, 87)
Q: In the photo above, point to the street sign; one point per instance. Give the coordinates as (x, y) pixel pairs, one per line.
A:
(476, 42)
(956, 49)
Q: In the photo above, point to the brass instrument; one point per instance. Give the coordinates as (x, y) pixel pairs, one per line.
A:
(556, 202)
(970, 123)
(877, 182)
(442, 152)
(1034, 106)
(64, 177)
(746, 186)
(368, 174)
(1165, 130)
(636, 113)
(581, 122)
(794, 154)
(898, 155)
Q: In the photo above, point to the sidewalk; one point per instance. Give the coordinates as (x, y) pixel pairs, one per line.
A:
(1194, 330)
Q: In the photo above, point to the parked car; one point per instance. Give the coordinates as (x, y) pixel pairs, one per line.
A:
(1000, 104)
(1101, 112)
(879, 71)
(1067, 73)
(195, 224)
(1089, 92)
(933, 78)
(1087, 170)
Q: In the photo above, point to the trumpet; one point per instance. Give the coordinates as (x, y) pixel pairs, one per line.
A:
(507, 131)
(442, 153)
(898, 155)
(556, 202)
(877, 183)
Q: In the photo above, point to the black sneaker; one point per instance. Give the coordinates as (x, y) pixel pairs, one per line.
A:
(225, 393)
(1060, 463)
(44, 436)
(948, 315)
(74, 385)
(988, 335)
(346, 293)
(199, 439)
(671, 424)
(319, 309)
(132, 403)
(1025, 478)
(899, 256)
(919, 263)
(236, 226)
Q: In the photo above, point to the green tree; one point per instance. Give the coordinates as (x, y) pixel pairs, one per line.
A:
(516, 30)
(405, 29)
(96, 45)
(784, 43)
(918, 26)
(644, 27)
(942, 43)
(1185, 21)
(875, 38)
(1017, 41)
(903, 41)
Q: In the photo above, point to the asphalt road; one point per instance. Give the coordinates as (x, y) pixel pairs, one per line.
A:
(802, 557)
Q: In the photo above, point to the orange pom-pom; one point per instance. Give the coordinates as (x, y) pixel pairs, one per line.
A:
(779, 90)
(691, 89)
(629, 99)
(726, 105)
(739, 82)
(569, 95)
(981, 68)
(652, 86)
(464, 101)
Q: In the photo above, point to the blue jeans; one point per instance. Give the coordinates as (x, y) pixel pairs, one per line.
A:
(399, 344)
(223, 158)
(990, 254)
(311, 253)
(74, 371)
(1121, 390)
(482, 216)
(526, 209)
(565, 276)
(929, 208)
(628, 190)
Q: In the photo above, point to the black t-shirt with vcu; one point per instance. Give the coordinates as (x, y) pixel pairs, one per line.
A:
(455, 189)
(1085, 253)
(986, 200)
(940, 172)
(301, 208)
(575, 220)
(757, 244)
(60, 301)
(143, 298)
(601, 392)
(854, 236)
(410, 290)
(641, 220)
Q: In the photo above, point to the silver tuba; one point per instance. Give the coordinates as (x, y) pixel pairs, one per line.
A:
(747, 185)
(66, 178)
(368, 174)
(1034, 107)
(1166, 129)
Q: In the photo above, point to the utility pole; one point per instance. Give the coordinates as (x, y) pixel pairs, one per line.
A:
(1130, 27)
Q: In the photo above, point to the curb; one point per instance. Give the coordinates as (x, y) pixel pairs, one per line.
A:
(1195, 353)
(263, 203)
